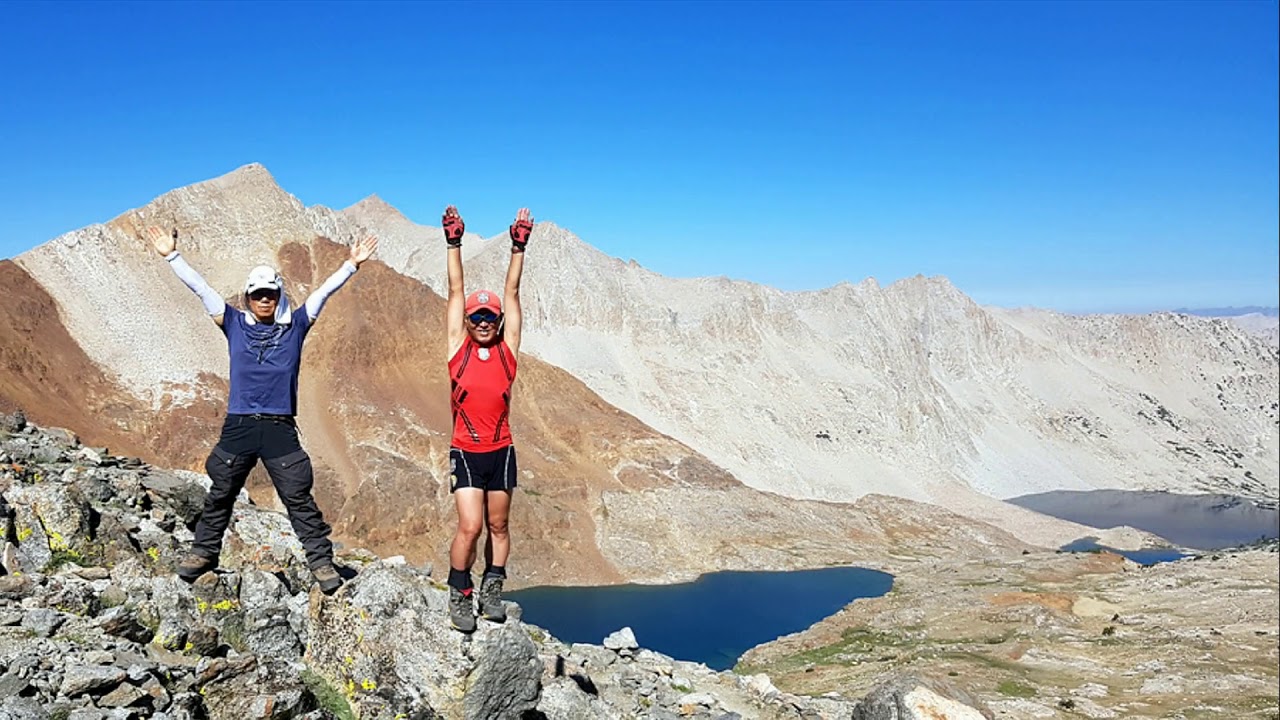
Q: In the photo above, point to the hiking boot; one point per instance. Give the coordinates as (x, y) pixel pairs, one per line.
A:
(491, 607)
(328, 578)
(462, 615)
(193, 565)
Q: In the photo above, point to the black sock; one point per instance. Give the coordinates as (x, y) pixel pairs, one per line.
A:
(460, 579)
(496, 571)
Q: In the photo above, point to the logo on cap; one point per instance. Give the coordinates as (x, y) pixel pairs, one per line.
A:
(483, 297)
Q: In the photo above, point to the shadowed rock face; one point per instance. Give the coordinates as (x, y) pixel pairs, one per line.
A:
(914, 698)
(44, 370)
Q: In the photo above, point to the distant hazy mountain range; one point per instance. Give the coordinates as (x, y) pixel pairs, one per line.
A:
(1231, 311)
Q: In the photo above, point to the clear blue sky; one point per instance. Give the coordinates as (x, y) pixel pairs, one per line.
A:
(1084, 156)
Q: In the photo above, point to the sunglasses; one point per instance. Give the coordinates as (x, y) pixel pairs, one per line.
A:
(484, 316)
(264, 295)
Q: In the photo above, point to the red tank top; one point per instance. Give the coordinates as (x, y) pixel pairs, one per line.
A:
(481, 396)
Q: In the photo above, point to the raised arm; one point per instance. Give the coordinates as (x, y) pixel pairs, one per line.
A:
(361, 250)
(512, 317)
(456, 332)
(166, 244)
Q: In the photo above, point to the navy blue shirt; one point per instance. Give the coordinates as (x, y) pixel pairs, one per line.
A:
(264, 363)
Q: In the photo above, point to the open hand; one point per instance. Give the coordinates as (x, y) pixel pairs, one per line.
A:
(362, 250)
(521, 228)
(453, 226)
(164, 243)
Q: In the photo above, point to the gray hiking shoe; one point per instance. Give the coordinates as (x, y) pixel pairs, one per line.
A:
(328, 578)
(462, 615)
(193, 565)
(491, 607)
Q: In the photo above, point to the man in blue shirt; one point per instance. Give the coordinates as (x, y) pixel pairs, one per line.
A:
(265, 347)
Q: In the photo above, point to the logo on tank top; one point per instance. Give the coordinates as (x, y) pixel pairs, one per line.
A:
(483, 353)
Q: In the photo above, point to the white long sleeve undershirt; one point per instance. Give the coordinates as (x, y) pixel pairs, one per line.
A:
(213, 302)
(320, 295)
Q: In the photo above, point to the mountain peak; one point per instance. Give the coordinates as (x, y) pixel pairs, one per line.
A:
(375, 206)
(918, 287)
(547, 234)
(250, 175)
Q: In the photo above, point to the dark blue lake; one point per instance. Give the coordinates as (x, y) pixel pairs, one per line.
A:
(712, 620)
(1145, 556)
(1202, 522)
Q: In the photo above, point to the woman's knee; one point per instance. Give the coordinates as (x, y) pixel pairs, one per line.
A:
(469, 529)
(498, 527)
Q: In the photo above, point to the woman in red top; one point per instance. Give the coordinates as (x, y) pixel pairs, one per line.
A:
(483, 345)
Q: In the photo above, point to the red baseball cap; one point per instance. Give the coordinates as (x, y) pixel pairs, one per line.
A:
(483, 300)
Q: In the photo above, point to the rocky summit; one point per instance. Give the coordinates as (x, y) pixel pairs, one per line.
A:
(867, 425)
(94, 624)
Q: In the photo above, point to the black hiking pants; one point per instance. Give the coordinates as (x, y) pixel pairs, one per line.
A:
(274, 439)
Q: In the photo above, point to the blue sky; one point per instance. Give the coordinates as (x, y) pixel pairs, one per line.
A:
(1079, 156)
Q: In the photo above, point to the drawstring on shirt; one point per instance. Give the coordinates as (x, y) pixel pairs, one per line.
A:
(262, 339)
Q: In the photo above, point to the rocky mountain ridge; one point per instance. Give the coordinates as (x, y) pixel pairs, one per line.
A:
(99, 336)
(911, 389)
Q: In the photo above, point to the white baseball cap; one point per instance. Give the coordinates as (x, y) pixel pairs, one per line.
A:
(263, 277)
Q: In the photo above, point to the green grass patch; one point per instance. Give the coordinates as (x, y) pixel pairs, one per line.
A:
(63, 556)
(855, 644)
(1012, 688)
(327, 696)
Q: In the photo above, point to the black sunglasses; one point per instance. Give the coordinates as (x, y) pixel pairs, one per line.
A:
(264, 295)
(484, 316)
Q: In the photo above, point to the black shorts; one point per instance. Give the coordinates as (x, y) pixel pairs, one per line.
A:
(493, 470)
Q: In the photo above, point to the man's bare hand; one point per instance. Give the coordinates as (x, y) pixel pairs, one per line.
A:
(362, 250)
(164, 243)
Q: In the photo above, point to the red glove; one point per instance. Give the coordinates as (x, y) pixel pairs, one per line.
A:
(520, 230)
(453, 227)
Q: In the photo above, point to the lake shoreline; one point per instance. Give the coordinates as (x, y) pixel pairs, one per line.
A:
(1052, 633)
(712, 620)
(1200, 522)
